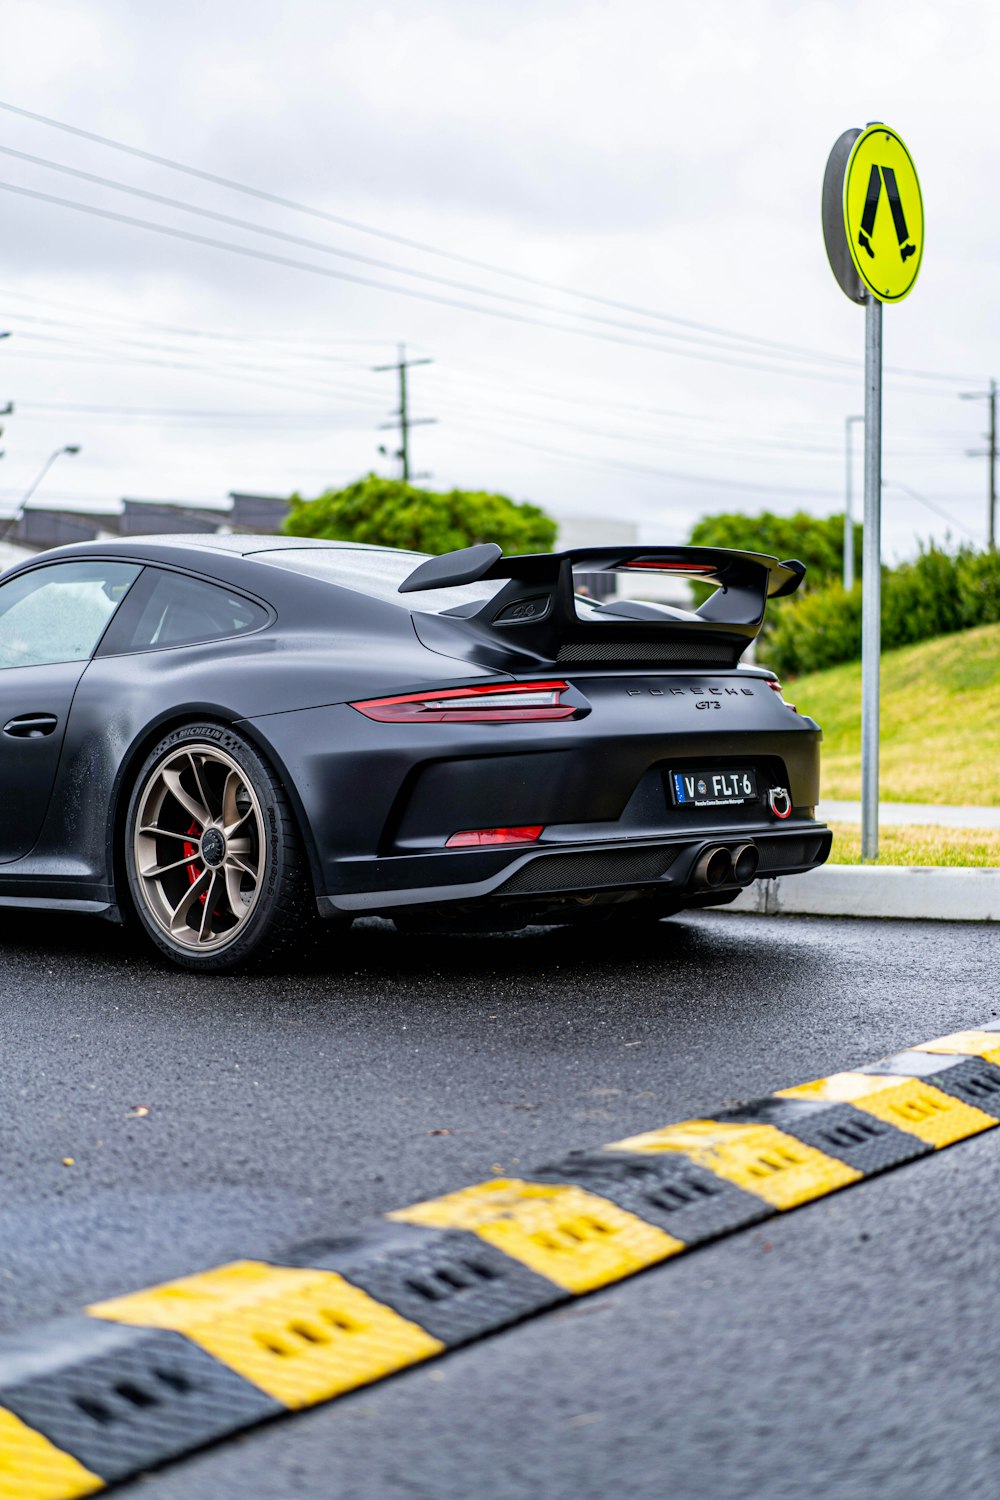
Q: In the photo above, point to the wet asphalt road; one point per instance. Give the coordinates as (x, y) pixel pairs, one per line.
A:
(849, 1349)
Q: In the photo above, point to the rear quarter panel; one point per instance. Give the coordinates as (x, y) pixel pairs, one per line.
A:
(124, 704)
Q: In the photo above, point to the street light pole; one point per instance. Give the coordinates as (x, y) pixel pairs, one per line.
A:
(849, 508)
(46, 466)
(993, 465)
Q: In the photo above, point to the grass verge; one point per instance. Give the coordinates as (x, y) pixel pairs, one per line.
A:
(919, 846)
(940, 721)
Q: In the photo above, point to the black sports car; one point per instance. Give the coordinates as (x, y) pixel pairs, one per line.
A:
(229, 737)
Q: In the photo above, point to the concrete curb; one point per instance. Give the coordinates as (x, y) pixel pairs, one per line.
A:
(945, 895)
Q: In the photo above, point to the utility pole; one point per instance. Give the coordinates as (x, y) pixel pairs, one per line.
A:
(402, 419)
(990, 453)
(849, 508)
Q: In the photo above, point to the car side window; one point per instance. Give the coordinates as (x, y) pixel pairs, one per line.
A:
(58, 613)
(180, 611)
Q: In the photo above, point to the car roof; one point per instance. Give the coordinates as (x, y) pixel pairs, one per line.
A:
(180, 548)
(243, 546)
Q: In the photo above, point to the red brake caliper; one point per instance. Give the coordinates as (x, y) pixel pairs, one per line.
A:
(191, 852)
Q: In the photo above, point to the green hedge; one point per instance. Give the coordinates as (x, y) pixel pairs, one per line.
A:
(940, 592)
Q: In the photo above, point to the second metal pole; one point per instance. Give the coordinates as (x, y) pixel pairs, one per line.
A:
(871, 581)
(992, 529)
(849, 515)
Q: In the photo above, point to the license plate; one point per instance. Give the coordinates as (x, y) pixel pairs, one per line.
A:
(713, 788)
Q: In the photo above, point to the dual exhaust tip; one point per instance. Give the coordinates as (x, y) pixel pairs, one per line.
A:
(726, 865)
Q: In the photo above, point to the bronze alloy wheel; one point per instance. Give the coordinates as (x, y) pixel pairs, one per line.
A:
(217, 873)
(198, 846)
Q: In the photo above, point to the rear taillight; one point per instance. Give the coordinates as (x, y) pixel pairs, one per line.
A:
(776, 688)
(475, 838)
(497, 703)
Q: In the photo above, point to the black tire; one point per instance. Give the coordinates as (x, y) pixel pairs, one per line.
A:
(244, 897)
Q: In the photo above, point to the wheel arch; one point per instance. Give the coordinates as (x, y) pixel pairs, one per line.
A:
(140, 748)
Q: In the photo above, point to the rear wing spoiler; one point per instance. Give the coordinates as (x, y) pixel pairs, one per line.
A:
(537, 605)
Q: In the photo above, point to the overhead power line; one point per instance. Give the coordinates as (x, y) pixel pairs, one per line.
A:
(166, 411)
(506, 314)
(651, 420)
(754, 343)
(640, 429)
(745, 448)
(120, 348)
(115, 357)
(233, 185)
(662, 434)
(493, 377)
(891, 484)
(96, 327)
(497, 377)
(721, 340)
(232, 335)
(623, 466)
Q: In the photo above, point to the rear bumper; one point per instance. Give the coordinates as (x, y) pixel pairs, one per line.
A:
(378, 802)
(540, 876)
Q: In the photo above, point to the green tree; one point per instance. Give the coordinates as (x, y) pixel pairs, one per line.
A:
(818, 541)
(389, 513)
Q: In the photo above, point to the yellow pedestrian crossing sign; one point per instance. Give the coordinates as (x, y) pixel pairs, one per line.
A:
(883, 213)
(873, 229)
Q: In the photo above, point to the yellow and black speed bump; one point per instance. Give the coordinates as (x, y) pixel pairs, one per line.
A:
(971, 1079)
(116, 1398)
(452, 1284)
(861, 1141)
(672, 1192)
(90, 1400)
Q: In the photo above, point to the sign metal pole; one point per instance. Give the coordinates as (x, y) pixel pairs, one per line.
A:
(849, 507)
(871, 596)
(873, 228)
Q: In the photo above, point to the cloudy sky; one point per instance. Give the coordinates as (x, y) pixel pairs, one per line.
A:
(601, 222)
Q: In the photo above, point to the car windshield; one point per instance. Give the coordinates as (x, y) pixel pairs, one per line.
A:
(378, 574)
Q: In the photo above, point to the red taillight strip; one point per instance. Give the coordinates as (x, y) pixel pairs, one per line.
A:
(495, 702)
(475, 838)
(654, 565)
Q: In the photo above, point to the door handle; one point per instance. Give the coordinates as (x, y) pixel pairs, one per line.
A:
(30, 726)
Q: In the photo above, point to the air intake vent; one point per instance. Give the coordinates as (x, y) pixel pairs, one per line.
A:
(567, 872)
(679, 653)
